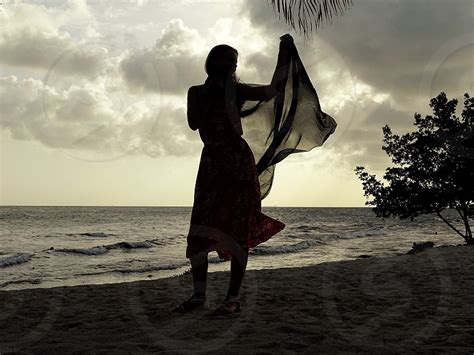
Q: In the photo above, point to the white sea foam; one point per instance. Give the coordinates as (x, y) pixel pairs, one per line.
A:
(102, 249)
(15, 259)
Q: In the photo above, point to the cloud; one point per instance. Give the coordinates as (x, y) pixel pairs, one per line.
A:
(88, 118)
(99, 113)
(367, 67)
(176, 61)
(171, 66)
(83, 104)
(408, 49)
(32, 36)
(396, 41)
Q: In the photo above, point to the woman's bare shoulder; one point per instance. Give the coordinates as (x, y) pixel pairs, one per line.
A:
(195, 88)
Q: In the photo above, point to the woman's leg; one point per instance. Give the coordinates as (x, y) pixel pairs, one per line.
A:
(199, 265)
(238, 265)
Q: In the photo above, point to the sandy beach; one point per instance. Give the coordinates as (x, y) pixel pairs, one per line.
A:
(409, 303)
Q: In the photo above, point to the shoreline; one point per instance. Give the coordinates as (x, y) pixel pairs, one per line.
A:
(395, 304)
(215, 265)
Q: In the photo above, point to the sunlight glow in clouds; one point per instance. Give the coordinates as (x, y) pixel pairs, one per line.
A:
(106, 82)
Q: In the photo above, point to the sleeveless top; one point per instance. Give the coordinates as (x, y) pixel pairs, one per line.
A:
(220, 111)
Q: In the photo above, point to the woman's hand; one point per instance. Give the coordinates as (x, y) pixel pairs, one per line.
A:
(286, 38)
(287, 43)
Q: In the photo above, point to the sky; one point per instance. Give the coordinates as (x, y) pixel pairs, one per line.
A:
(93, 93)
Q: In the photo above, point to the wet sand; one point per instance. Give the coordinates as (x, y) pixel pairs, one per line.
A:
(411, 303)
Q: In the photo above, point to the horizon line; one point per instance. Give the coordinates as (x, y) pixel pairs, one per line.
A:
(152, 206)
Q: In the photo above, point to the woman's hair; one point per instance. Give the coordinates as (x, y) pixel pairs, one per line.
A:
(214, 56)
(215, 79)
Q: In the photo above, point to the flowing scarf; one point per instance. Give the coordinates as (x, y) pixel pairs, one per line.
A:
(291, 122)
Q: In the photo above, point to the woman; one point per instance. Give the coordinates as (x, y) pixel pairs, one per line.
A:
(226, 215)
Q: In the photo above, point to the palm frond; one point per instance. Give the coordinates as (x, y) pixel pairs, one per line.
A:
(307, 15)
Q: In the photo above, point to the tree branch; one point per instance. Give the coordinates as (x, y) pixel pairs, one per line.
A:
(449, 224)
(463, 219)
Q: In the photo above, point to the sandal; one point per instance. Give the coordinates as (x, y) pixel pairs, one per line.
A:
(191, 304)
(228, 307)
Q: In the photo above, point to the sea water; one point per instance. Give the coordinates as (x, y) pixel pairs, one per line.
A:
(65, 246)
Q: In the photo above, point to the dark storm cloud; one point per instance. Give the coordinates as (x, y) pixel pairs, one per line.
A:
(397, 46)
(408, 49)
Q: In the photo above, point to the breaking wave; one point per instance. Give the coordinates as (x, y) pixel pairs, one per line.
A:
(102, 249)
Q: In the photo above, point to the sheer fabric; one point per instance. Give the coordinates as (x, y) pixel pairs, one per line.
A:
(289, 123)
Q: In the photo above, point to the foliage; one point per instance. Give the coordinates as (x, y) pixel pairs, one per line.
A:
(433, 167)
(305, 15)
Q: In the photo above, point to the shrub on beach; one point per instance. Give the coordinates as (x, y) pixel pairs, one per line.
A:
(419, 247)
(433, 167)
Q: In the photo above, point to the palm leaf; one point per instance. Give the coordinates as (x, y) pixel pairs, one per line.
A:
(307, 15)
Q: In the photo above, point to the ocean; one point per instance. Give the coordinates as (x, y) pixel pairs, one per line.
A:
(65, 246)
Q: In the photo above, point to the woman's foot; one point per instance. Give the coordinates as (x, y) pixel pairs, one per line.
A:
(229, 306)
(194, 302)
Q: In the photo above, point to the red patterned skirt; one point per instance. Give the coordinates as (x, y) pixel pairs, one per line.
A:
(226, 213)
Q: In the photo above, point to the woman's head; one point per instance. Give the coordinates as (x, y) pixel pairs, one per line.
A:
(221, 60)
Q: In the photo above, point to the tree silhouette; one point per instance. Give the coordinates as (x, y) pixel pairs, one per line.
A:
(306, 15)
(433, 167)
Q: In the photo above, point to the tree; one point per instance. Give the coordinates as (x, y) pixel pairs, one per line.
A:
(306, 15)
(433, 167)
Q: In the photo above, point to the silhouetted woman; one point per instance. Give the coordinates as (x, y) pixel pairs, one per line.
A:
(226, 215)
